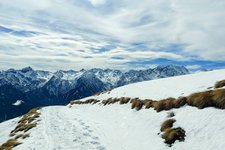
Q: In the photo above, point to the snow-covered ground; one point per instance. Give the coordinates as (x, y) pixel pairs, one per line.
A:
(167, 87)
(117, 127)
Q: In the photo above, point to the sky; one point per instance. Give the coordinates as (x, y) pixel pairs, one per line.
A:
(116, 34)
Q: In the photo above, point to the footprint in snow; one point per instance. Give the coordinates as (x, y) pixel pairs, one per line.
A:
(101, 148)
(86, 134)
(95, 138)
(95, 142)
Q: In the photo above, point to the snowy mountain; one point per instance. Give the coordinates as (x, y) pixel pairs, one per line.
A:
(28, 79)
(44, 88)
(25, 79)
(90, 123)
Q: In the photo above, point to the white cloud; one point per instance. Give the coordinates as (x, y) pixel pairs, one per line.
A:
(194, 67)
(97, 2)
(74, 29)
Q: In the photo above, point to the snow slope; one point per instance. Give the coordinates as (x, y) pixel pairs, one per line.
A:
(168, 87)
(117, 127)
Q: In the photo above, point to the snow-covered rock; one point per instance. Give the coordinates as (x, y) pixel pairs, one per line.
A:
(18, 102)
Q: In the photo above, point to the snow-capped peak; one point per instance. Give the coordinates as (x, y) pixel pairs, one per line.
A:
(28, 79)
(118, 127)
(26, 69)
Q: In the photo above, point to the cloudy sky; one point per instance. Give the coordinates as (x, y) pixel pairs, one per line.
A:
(119, 34)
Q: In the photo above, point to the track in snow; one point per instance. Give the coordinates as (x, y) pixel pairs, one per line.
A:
(62, 131)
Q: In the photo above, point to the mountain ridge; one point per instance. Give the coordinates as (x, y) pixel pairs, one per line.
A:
(43, 88)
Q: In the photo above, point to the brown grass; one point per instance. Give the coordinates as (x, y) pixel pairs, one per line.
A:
(200, 100)
(211, 98)
(105, 102)
(159, 105)
(218, 98)
(18, 136)
(167, 124)
(137, 104)
(75, 102)
(25, 136)
(172, 134)
(11, 143)
(181, 101)
(214, 98)
(165, 104)
(109, 101)
(26, 122)
(96, 101)
(169, 103)
(115, 100)
(24, 127)
(148, 103)
(124, 100)
(88, 101)
(134, 99)
(219, 84)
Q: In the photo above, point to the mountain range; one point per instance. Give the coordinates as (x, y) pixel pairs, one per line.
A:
(34, 88)
(185, 112)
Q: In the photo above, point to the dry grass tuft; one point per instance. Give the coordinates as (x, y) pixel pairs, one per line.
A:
(105, 102)
(25, 136)
(75, 102)
(172, 134)
(201, 99)
(11, 143)
(115, 100)
(124, 100)
(134, 99)
(111, 101)
(148, 103)
(169, 103)
(88, 101)
(96, 101)
(212, 98)
(181, 101)
(24, 127)
(27, 122)
(167, 124)
(24, 124)
(158, 105)
(219, 84)
(218, 98)
(137, 104)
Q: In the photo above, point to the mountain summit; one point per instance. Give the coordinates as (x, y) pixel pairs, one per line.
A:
(43, 88)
